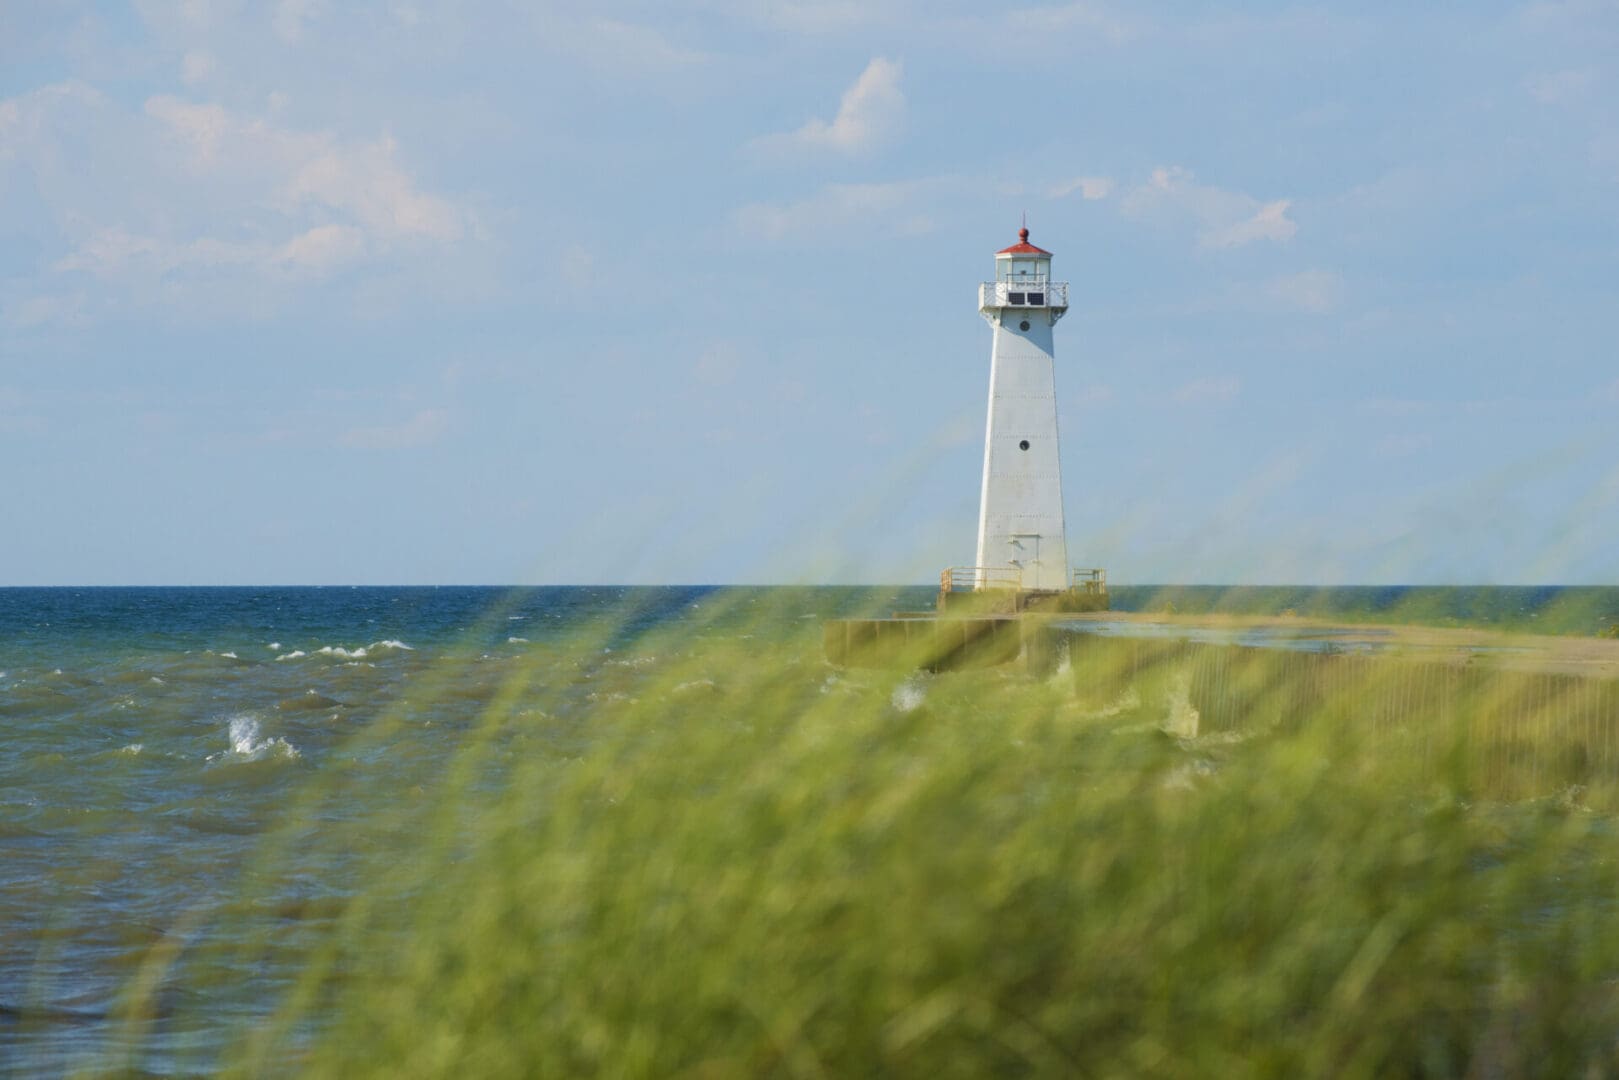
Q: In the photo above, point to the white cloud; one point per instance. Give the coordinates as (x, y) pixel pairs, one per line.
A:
(423, 428)
(1083, 16)
(809, 16)
(1222, 218)
(290, 17)
(1316, 291)
(1561, 87)
(363, 180)
(871, 111)
(306, 170)
(196, 66)
(1208, 390)
(324, 247)
(1090, 188)
(637, 46)
(209, 198)
(888, 209)
(1269, 222)
(1572, 15)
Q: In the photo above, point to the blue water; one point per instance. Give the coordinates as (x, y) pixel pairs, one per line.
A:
(154, 738)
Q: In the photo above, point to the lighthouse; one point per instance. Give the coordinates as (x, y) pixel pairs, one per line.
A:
(1022, 542)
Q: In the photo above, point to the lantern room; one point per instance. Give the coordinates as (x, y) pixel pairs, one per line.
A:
(1023, 263)
(1023, 280)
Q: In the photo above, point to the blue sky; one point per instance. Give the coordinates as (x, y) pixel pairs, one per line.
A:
(419, 292)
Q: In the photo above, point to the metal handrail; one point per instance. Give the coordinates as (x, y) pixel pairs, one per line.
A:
(1093, 580)
(978, 578)
(997, 294)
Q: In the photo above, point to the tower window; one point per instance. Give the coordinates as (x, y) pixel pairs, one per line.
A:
(1024, 445)
(1015, 298)
(1037, 299)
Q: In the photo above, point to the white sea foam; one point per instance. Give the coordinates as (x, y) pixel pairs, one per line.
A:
(132, 749)
(362, 651)
(293, 655)
(157, 680)
(274, 646)
(339, 651)
(246, 743)
(230, 655)
(517, 641)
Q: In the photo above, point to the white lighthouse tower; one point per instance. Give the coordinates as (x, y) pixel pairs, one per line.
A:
(1021, 538)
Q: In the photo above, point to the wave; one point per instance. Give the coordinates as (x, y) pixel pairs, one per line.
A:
(247, 743)
(341, 652)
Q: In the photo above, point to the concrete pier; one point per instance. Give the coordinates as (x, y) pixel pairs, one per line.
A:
(943, 643)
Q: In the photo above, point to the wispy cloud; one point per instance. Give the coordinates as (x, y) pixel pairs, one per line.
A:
(871, 112)
(1562, 87)
(1222, 218)
(1088, 187)
(423, 428)
(619, 47)
(1210, 390)
(197, 66)
(890, 209)
(204, 190)
(1085, 17)
(290, 17)
(1315, 291)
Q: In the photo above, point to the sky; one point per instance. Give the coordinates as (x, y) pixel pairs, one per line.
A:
(306, 292)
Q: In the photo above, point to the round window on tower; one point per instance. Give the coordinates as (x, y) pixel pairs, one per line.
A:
(1024, 445)
(1024, 325)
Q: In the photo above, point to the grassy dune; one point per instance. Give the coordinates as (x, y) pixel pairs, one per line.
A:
(725, 859)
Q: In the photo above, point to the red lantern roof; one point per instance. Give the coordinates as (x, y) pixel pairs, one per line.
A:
(1023, 247)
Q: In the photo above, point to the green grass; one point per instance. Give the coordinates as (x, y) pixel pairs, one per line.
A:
(739, 863)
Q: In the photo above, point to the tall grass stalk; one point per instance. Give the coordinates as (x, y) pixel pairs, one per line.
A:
(727, 859)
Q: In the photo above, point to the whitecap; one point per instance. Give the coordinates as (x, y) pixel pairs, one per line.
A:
(132, 749)
(391, 643)
(230, 656)
(517, 641)
(339, 651)
(157, 680)
(245, 742)
(293, 655)
(273, 646)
